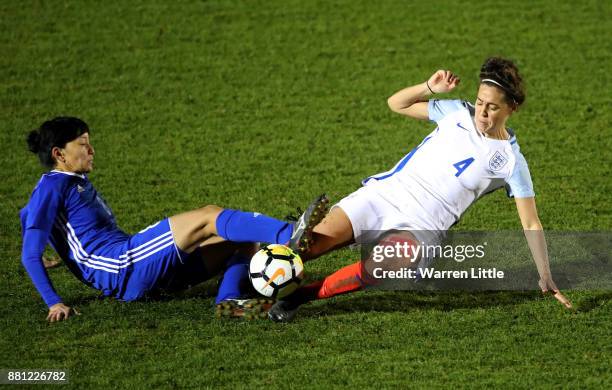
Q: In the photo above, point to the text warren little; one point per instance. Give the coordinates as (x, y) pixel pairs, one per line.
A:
(432, 273)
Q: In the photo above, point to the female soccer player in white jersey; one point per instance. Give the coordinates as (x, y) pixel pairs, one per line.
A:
(469, 154)
(66, 211)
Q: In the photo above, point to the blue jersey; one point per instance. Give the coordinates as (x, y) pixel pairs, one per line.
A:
(66, 211)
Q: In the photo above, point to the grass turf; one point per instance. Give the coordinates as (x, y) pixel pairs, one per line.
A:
(262, 104)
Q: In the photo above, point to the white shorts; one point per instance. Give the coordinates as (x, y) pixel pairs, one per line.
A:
(370, 215)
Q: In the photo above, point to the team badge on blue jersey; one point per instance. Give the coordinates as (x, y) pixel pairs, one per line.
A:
(498, 161)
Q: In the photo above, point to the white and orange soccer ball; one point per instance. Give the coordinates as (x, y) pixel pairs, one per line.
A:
(276, 271)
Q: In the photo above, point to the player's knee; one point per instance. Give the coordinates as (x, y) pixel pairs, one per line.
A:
(402, 248)
(208, 216)
(210, 211)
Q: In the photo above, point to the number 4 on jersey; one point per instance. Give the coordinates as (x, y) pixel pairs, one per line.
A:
(462, 165)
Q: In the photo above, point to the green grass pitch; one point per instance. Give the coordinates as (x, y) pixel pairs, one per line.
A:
(261, 105)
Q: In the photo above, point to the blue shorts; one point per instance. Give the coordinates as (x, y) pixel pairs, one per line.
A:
(157, 263)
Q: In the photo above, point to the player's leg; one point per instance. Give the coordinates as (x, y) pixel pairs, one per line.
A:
(156, 264)
(333, 232)
(345, 280)
(213, 223)
(351, 278)
(235, 296)
(211, 259)
(193, 228)
(345, 223)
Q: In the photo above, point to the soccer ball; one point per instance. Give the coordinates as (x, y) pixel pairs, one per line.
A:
(276, 271)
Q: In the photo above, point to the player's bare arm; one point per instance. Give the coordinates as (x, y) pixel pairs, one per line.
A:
(412, 101)
(534, 233)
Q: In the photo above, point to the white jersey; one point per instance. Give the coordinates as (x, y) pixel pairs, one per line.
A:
(454, 166)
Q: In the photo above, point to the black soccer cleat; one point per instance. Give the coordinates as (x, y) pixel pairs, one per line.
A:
(283, 311)
(301, 239)
(248, 309)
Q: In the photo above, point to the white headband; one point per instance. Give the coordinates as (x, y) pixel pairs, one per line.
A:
(494, 82)
(502, 87)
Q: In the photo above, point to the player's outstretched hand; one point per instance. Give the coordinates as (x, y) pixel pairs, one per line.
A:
(549, 287)
(59, 312)
(443, 81)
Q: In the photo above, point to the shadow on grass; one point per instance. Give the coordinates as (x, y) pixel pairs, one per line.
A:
(204, 290)
(376, 300)
(88, 299)
(387, 301)
(405, 301)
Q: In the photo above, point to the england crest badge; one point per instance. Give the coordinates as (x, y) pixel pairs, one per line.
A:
(498, 161)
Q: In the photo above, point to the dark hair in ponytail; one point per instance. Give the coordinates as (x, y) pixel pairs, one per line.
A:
(504, 72)
(55, 132)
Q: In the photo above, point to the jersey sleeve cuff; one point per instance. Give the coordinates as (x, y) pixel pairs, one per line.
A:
(53, 301)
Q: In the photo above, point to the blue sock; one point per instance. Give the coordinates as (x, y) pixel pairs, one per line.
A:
(240, 226)
(235, 279)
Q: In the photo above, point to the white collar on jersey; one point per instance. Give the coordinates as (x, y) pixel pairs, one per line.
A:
(69, 173)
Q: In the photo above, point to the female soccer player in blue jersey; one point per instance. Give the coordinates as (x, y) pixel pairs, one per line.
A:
(66, 211)
(469, 154)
